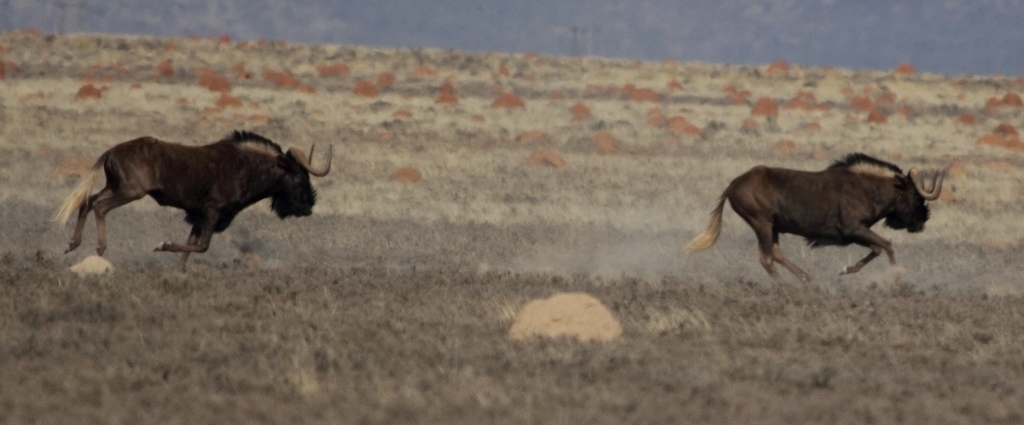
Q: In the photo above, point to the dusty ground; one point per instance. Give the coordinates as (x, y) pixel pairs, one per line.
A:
(391, 303)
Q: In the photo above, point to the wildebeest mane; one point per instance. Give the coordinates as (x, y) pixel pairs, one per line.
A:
(859, 162)
(243, 138)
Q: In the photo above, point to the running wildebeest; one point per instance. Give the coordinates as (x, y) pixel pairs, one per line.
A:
(836, 206)
(212, 183)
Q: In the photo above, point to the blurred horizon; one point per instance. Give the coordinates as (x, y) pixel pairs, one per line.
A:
(953, 37)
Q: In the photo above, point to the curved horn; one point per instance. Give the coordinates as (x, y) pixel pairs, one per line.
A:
(932, 193)
(304, 162)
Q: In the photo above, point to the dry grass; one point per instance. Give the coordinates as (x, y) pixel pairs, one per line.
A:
(391, 303)
(383, 346)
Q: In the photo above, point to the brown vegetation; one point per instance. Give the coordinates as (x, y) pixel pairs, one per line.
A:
(333, 70)
(88, 91)
(508, 100)
(164, 68)
(408, 175)
(546, 157)
(532, 136)
(365, 88)
(580, 112)
(765, 107)
(212, 80)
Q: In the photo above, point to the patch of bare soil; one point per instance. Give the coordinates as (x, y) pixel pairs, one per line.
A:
(374, 345)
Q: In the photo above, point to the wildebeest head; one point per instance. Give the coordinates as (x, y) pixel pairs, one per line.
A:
(910, 211)
(295, 196)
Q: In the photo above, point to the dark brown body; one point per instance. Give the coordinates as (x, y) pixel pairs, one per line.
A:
(836, 206)
(212, 183)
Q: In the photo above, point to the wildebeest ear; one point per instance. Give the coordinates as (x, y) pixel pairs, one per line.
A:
(903, 182)
(283, 162)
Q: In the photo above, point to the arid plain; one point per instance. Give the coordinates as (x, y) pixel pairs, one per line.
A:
(463, 186)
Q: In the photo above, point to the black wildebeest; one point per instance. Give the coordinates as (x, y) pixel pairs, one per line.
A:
(836, 206)
(212, 183)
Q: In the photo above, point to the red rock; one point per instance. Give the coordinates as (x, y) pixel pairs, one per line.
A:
(407, 174)
(532, 136)
(1004, 136)
(508, 100)
(225, 39)
(88, 91)
(626, 89)
(876, 117)
(674, 85)
(385, 79)
(135, 86)
(283, 79)
(212, 81)
(447, 87)
(226, 100)
(813, 126)
(424, 71)
(644, 95)
(999, 164)
(887, 98)
(308, 89)
(333, 70)
(656, 118)
(365, 88)
(785, 145)
(606, 143)
(580, 112)
(1013, 99)
(546, 157)
(402, 113)
(862, 103)
(906, 69)
(240, 72)
(956, 169)
(503, 70)
(679, 126)
(164, 69)
(967, 118)
(259, 118)
(765, 107)
(556, 96)
(1006, 129)
(446, 98)
(477, 118)
(751, 123)
(777, 67)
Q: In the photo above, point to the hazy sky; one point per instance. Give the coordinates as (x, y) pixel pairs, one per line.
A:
(944, 36)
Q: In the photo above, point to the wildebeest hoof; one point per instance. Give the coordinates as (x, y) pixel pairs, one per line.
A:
(162, 247)
(71, 247)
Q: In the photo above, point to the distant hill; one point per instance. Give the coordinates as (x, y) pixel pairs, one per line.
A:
(951, 37)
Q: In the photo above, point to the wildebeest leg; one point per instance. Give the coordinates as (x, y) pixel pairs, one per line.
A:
(764, 245)
(205, 234)
(865, 237)
(781, 258)
(105, 201)
(193, 238)
(83, 214)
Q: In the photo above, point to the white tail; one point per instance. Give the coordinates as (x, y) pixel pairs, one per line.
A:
(79, 196)
(709, 236)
